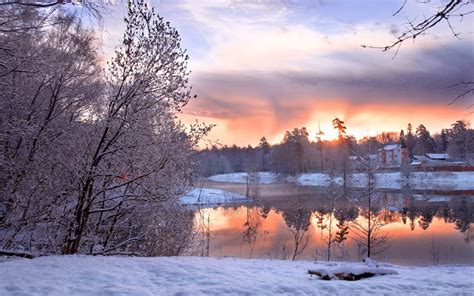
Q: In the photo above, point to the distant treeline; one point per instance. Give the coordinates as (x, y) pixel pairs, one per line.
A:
(301, 152)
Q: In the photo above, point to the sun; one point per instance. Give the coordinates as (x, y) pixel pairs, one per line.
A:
(329, 133)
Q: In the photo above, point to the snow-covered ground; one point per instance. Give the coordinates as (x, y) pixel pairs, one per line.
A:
(88, 275)
(210, 196)
(264, 178)
(417, 180)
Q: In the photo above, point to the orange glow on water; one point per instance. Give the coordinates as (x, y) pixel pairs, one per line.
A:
(244, 232)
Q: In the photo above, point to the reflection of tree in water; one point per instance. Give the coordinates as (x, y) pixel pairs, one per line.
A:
(390, 216)
(463, 217)
(324, 221)
(426, 218)
(298, 221)
(264, 211)
(370, 237)
(252, 225)
(342, 229)
(457, 211)
(320, 223)
(372, 240)
(412, 215)
(445, 213)
(343, 216)
(404, 214)
(203, 229)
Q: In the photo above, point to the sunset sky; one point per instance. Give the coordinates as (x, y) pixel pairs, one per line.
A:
(262, 67)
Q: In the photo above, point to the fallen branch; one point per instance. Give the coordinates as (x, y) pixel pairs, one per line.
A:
(16, 254)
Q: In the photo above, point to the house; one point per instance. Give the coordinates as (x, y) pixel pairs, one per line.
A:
(432, 159)
(393, 155)
(437, 156)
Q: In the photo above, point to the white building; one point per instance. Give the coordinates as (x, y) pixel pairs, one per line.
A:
(393, 155)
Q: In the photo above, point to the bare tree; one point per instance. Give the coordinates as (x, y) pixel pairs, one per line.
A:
(444, 13)
(95, 7)
(368, 229)
(447, 12)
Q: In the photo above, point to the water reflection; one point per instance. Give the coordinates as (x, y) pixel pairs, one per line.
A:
(397, 227)
(298, 222)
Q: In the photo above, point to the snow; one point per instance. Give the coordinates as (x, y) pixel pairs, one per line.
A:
(417, 180)
(439, 156)
(439, 199)
(370, 262)
(96, 275)
(264, 178)
(332, 272)
(390, 147)
(394, 180)
(210, 196)
(351, 271)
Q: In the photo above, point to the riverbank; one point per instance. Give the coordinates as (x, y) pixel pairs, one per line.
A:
(96, 275)
(416, 180)
(211, 197)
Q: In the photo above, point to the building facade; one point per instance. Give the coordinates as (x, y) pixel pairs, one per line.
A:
(393, 155)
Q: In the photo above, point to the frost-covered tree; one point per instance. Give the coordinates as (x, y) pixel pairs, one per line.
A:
(50, 80)
(344, 147)
(410, 139)
(94, 7)
(88, 152)
(136, 134)
(424, 142)
(461, 140)
(292, 154)
(264, 151)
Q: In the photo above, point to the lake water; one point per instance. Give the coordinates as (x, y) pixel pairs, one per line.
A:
(288, 221)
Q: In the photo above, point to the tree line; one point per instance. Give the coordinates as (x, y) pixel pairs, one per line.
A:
(300, 152)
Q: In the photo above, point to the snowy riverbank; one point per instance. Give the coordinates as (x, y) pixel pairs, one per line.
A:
(263, 178)
(210, 196)
(87, 275)
(417, 180)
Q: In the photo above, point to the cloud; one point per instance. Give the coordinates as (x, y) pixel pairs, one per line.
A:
(260, 67)
(424, 78)
(257, 103)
